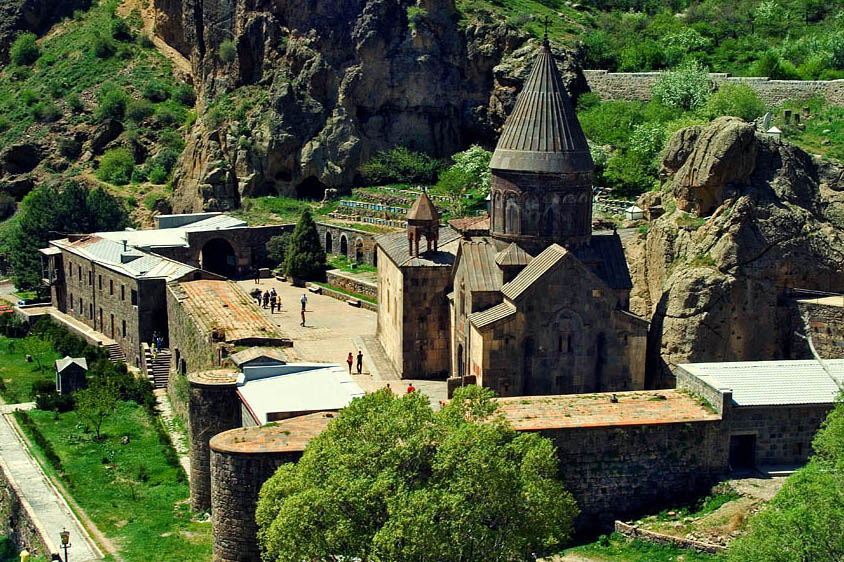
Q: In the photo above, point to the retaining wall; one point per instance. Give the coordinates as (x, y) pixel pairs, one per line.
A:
(337, 278)
(16, 522)
(636, 86)
(633, 532)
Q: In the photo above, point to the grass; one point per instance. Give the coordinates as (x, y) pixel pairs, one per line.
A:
(277, 210)
(26, 295)
(822, 133)
(616, 548)
(345, 292)
(343, 263)
(135, 498)
(16, 375)
(564, 23)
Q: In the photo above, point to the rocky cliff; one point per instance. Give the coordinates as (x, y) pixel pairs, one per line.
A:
(299, 93)
(748, 218)
(18, 16)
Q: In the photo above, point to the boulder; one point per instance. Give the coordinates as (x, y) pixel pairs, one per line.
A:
(20, 158)
(18, 187)
(106, 132)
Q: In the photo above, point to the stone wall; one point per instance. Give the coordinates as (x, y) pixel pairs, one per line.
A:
(337, 278)
(390, 320)
(626, 470)
(636, 86)
(634, 532)
(214, 407)
(366, 305)
(718, 399)
(783, 433)
(16, 522)
(237, 480)
(826, 325)
(358, 245)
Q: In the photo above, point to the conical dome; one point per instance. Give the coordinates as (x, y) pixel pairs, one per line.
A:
(423, 210)
(543, 134)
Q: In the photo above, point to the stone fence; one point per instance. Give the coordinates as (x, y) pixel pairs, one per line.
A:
(337, 278)
(634, 532)
(636, 86)
(17, 518)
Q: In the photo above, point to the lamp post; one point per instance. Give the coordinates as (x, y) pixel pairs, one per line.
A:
(65, 535)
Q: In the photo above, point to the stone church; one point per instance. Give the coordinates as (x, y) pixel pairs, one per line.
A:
(538, 304)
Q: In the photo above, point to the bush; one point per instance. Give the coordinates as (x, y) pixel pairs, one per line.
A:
(102, 47)
(7, 206)
(158, 175)
(185, 95)
(120, 30)
(116, 166)
(771, 65)
(138, 110)
(70, 148)
(165, 117)
(29, 97)
(156, 91)
(277, 248)
(688, 87)
(13, 327)
(139, 175)
(74, 103)
(145, 42)
(400, 165)
(53, 401)
(227, 51)
(165, 159)
(47, 111)
(113, 101)
(25, 50)
(39, 439)
(738, 100)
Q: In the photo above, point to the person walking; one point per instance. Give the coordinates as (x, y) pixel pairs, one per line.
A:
(303, 317)
(266, 298)
(257, 275)
(360, 360)
(272, 304)
(304, 301)
(349, 360)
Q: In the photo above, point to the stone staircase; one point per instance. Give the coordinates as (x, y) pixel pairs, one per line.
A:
(161, 369)
(115, 354)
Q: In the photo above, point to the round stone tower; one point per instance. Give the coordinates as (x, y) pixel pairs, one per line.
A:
(541, 189)
(214, 407)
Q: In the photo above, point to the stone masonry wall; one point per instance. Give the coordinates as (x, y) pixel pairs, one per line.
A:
(636, 86)
(337, 278)
(15, 522)
(213, 409)
(331, 236)
(718, 399)
(236, 483)
(783, 434)
(826, 324)
(426, 351)
(617, 471)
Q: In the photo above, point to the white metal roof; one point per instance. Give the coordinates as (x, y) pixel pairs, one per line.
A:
(296, 388)
(172, 237)
(62, 364)
(131, 262)
(772, 383)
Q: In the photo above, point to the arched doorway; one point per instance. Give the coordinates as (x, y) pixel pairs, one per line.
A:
(329, 249)
(218, 257)
(358, 251)
(312, 189)
(344, 246)
(375, 257)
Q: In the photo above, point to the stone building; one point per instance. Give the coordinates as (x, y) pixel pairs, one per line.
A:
(537, 304)
(112, 288)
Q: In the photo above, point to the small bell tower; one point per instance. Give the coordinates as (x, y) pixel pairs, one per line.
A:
(423, 219)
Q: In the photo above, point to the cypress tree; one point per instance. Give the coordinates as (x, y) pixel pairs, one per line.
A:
(305, 256)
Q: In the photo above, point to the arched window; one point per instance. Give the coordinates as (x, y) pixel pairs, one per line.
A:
(329, 247)
(512, 226)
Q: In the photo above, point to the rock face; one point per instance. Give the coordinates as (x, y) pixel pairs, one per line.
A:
(31, 15)
(315, 88)
(761, 218)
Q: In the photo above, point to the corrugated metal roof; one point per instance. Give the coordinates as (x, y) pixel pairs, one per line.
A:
(172, 237)
(62, 364)
(109, 253)
(772, 383)
(540, 265)
(492, 315)
(543, 134)
(219, 222)
(396, 246)
(513, 255)
(478, 261)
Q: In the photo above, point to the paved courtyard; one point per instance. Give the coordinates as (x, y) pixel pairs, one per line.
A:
(332, 330)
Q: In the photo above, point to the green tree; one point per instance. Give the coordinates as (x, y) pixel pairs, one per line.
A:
(97, 402)
(738, 100)
(400, 165)
(107, 212)
(37, 348)
(687, 87)
(116, 166)
(113, 101)
(392, 480)
(305, 257)
(25, 50)
(277, 248)
(227, 52)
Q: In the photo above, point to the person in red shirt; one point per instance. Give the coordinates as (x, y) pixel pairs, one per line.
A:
(350, 360)
(410, 388)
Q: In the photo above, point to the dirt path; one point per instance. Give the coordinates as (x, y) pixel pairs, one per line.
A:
(181, 63)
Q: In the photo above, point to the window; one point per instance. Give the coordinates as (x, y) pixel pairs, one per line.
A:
(91, 310)
(90, 278)
(124, 328)
(134, 297)
(123, 292)
(71, 302)
(111, 286)
(100, 281)
(79, 272)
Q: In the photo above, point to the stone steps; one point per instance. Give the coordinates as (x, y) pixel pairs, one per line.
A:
(161, 369)
(115, 353)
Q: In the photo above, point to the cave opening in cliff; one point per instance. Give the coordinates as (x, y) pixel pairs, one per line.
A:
(311, 189)
(218, 257)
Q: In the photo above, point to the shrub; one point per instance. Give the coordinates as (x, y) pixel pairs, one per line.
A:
(74, 103)
(13, 327)
(400, 165)
(415, 16)
(25, 50)
(165, 117)
(145, 42)
(738, 100)
(139, 175)
(185, 95)
(165, 159)
(771, 65)
(277, 248)
(29, 97)
(688, 87)
(113, 101)
(47, 111)
(52, 401)
(138, 110)
(227, 51)
(158, 175)
(102, 47)
(116, 166)
(120, 30)
(36, 435)
(156, 91)
(70, 148)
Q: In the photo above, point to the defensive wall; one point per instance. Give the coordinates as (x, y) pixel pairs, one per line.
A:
(636, 86)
